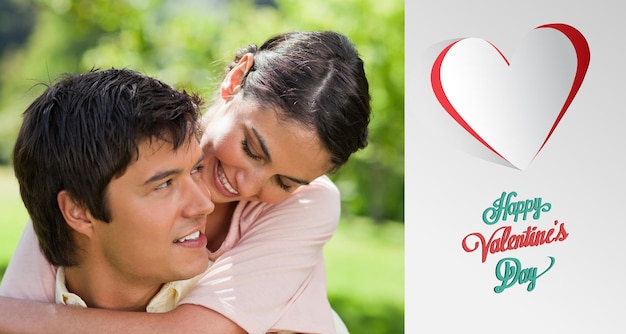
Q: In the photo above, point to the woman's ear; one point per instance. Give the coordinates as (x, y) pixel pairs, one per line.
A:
(232, 83)
(76, 215)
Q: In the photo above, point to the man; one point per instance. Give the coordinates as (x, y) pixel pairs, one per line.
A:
(108, 164)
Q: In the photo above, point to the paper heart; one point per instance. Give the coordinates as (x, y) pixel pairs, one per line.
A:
(512, 108)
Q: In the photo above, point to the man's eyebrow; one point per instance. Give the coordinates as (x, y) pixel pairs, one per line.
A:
(261, 141)
(166, 173)
(162, 175)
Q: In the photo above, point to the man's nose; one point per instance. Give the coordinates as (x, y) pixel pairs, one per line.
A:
(198, 199)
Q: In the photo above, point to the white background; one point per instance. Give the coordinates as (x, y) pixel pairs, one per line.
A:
(580, 171)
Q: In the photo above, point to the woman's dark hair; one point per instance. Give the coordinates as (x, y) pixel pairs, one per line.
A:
(316, 79)
(84, 131)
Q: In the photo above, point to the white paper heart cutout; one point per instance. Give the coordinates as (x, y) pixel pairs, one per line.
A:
(512, 108)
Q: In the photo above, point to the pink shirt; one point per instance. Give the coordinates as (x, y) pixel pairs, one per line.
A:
(268, 274)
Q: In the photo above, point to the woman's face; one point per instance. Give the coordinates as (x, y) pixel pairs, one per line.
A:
(251, 155)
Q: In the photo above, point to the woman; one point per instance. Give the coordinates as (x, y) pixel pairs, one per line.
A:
(285, 115)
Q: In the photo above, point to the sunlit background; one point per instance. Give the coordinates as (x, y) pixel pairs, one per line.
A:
(187, 43)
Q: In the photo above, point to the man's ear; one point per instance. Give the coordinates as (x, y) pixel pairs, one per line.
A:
(232, 83)
(76, 215)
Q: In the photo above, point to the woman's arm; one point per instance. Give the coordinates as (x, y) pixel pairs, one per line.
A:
(29, 275)
(21, 316)
(31, 278)
(271, 274)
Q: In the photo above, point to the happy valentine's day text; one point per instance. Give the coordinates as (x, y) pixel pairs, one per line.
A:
(509, 271)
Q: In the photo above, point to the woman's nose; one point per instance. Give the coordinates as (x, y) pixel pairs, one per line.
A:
(251, 182)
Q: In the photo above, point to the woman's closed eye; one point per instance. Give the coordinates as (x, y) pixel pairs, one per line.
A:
(246, 148)
(282, 184)
(277, 179)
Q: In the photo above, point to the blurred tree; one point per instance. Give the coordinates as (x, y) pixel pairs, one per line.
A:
(188, 43)
(16, 22)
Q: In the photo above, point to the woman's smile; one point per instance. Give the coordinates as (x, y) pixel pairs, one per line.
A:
(224, 180)
(221, 181)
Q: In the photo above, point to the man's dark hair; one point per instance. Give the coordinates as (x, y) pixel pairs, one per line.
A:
(84, 131)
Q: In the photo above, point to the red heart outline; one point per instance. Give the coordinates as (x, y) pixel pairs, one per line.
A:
(582, 54)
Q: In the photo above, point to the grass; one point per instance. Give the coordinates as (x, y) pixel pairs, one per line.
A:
(365, 266)
(364, 261)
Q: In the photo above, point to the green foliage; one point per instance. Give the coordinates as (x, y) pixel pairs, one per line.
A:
(188, 43)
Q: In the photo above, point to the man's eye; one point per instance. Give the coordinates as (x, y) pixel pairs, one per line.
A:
(198, 169)
(163, 185)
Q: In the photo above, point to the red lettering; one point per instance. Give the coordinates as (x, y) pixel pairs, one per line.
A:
(502, 240)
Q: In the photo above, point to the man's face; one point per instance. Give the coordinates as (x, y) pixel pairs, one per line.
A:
(158, 215)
